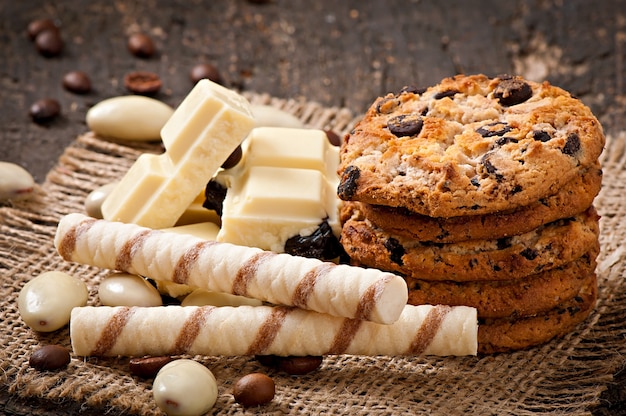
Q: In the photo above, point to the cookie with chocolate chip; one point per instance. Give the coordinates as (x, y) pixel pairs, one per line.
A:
(471, 145)
(543, 248)
(575, 197)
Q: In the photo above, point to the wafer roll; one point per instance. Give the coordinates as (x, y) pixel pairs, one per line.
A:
(278, 330)
(281, 279)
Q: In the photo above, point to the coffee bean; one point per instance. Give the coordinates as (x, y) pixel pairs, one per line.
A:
(77, 82)
(254, 389)
(141, 45)
(297, 366)
(50, 357)
(45, 110)
(233, 159)
(205, 71)
(147, 367)
(37, 26)
(142, 82)
(333, 137)
(49, 43)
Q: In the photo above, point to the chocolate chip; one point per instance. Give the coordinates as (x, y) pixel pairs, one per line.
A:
(254, 389)
(503, 243)
(142, 82)
(37, 26)
(45, 110)
(541, 136)
(572, 145)
(50, 357)
(387, 104)
(444, 94)
(405, 125)
(512, 91)
(321, 244)
(77, 82)
(396, 250)
(333, 137)
(205, 71)
(141, 45)
(412, 89)
(233, 159)
(147, 367)
(214, 194)
(516, 189)
(501, 141)
(348, 184)
(49, 43)
(493, 129)
(529, 253)
(490, 168)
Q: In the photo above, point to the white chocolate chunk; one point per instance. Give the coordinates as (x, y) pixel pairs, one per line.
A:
(204, 230)
(265, 330)
(203, 131)
(270, 116)
(131, 117)
(280, 279)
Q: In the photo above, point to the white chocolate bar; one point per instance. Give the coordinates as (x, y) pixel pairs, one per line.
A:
(265, 330)
(203, 131)
(281, 279)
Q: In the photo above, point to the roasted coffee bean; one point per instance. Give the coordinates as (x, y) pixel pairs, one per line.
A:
(142, 82)
(333, 138)
(45, 110)
(50, 357)
(405, 125)
(147, 367)
(37, 26)
(205, 71)
(77, 82)
(49, 43)
(493, 129)
(348, 184)
(297, 366)
(444, 94)
(321, 244)
(254, 389)
(141, 45)
(233, 159)
(512, 91)
(572, 145)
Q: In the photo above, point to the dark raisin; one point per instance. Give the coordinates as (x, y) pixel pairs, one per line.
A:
(490, 168)
(541, 136)
(493, 129)
(512, 91)
(503, 243)
(405, 125)
(501, 141)
(444, 94)
(396, 250)
(387, 104)
(321, 244)
(572, 145)
(516, 189)
(214, 195)
(348, 184)
(529, 253)
(333, 138)
(412, 89)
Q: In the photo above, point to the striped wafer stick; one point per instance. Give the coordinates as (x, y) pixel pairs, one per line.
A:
(278, 330)
(281, 279)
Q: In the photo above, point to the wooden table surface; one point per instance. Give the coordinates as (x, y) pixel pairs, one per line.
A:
(342, 54)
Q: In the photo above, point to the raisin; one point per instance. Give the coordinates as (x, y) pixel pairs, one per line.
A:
(503, 243)
(504, 140)
(512, 91)
(444, 94)
(396, 250)
(490, 168)
(405, 125)
(529, 253)
(541, 136)
(321, 244)
(412, 89)
(348, 185)
(493, 129)
(214, 195)
(516, 189)
(572, 145)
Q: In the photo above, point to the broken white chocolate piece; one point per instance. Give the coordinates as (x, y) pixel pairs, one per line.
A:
(266, 330)
(280, 279)
(203, 131)
(203, 230)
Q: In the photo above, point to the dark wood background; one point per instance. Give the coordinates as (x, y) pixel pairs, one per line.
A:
(338, 53)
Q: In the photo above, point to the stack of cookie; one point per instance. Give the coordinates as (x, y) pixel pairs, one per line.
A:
(479, 191)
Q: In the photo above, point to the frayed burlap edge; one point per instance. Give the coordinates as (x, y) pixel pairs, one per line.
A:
(566, 376)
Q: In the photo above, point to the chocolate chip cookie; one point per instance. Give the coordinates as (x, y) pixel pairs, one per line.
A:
(471, 145)
(543, 248)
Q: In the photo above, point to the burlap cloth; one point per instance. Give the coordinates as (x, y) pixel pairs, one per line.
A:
(566, 376)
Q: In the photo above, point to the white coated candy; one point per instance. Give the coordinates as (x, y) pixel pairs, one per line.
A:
(203, 297)
(268, 116)
(185, 387)
(129, 117)
(93, 202)
(45, 302)
(15, 182)
(123, 289)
